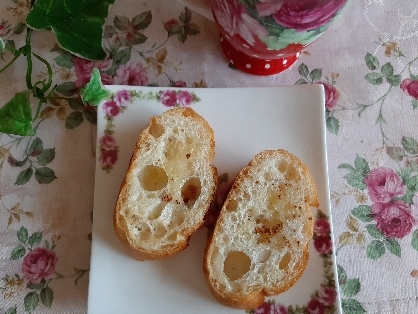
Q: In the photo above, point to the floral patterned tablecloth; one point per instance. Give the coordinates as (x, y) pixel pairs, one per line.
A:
(367, 62)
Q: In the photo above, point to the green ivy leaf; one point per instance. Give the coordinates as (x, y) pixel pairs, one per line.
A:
(351, 306)
(31, 301)
(35, 239)
(303, 70)
(77, 24)
(342, 275)
(44, 175)
(363, 212)
(46, 156)
(374, 78)
(374, 232)
(387, 69)
(24, 176)
(141, 21)
(375, 249)
(17, 252)
(356, 180)
(410, 145)
(47, 296)
(333, 125)
(36, 147)
(361, 166)
(351, 287)
(414, 241)
(94, 92)
(16, 115)
(22, 234)
(371, 61)
(393, 246)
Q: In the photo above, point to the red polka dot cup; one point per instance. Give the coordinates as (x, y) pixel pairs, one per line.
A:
(265, 37)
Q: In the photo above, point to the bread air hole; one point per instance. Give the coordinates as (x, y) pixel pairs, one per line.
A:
(143, 231)
(153, 178)
(267, 228)
(289, 170)
(236, 265)
(190, 191)
(264, 256)
(172, 149)
(156, 212)
(159, 231)
(285, 260)
(231, 206)
(156, 129)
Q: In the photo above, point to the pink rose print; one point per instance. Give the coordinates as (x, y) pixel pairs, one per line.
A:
(331, 95)
(414, 206)
(184, 98)
(323, 244)
(316, 307)
(394, 219)
(269, 308)
(108, 157)
(111, 108)
(107, 142)
(305, 15)
(133, 74)
(168, 98)
(4, 28)
(122, 97)
(321, 227)
(327, 296)
(39, 264)
(235, 20)
(268, 7)
(172, 26)
(410, 87)
(383, 184)
(83, 69)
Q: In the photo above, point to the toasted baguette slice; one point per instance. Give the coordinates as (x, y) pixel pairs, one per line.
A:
(259, 246)
(168, 187)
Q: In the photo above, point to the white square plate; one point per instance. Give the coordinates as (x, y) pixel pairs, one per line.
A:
(245, 121)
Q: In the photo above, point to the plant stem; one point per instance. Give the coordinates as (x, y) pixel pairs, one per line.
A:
(29, 59)
(17, 55)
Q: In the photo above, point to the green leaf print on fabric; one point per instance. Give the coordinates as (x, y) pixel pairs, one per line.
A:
(349, 288)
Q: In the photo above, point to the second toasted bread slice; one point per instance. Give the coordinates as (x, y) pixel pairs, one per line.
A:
(168, 187)
(259, 246)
